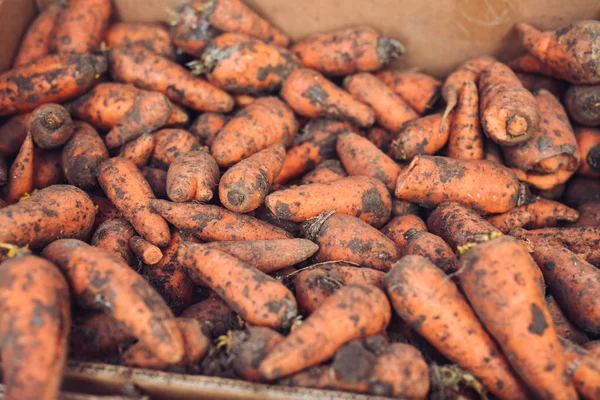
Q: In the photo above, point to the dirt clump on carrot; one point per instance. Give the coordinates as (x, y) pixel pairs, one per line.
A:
(20, 175)
(398, 226)
(216, 317)
(82, 156)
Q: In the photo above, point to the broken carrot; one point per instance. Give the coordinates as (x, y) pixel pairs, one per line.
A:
(153, 36)
(432, 247)
(466, 138)
(36, 40)
(421, 91)
(563, 326)
(170, 144)
(583, 104)
(327, 171)
(425, 135)
(207, 126)
(139, 150)
(145, 251)
(192, 176)
(50, 126)
(397, 228)
(80, 26)
(113, 236)
(588, 141)
(20, 175)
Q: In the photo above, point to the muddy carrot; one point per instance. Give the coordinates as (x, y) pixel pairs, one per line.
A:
(432, 247)
(51, 79)
(533, 83)
(157, 179)
(589, 214)
(548, 213)
(214, 223)
(563, 326)
(327, 171)
(433, 305)
(569, 51)
(121, 292)
(249, 347)
(345, 238)
(37, 313)
(113, 236)
(265, 122)
(149, 112)
(432, 180)
(398, 226)
(424, 135)
(97, 335)
(518, 217)
(50, 125)
(207, 126)
(347, 51)
(419, 90)
(192, 176)
(20, 175)
(584, 369)
(391, 111)
(125, 186)
(145, 251)
(82, 156)
(466, 138)
(190, 31)
(12, 134)
(36, 40)
(216, 317)
(400, 207)
(255, 296)
(150, 71)
(139, 150)
(588, 141)
(244, 186)
(80, 26)
(381, 138)
(310, 94)
(170, 144)
(352, 312)
(316, 144)
(530, 64)
(583, 104)
(154, 37)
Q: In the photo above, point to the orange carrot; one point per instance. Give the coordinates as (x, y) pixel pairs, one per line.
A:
(563, 326)
(12, 134)
(207, 126)
(518, 217)
(36, 41)
(50, 126)
(432, 247)
(327, 171)
(216, 317)
(192, 176)
(584, 369)
(242, 100)
(82, 156)
(146, 252)
(20, 175)
(398, 226)
(548, 213)
(190, 31)
(157, 179)
(529, 63)
(113, 236)
(154, 37)
(139, 150)
(105, 209)
(419, 90)
(583, 104)
(588, 141)
(170, 144)
(466, 138)
(533, 83)
(400, 207)
(80, 26)
(97, 336)
(424, 135)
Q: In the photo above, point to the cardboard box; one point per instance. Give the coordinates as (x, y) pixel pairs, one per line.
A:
(437, 36)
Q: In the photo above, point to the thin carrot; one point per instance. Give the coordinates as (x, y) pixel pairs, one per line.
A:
(192, 176)
(139, 150)
(207, 126)
(113, 236)
(146, 252)
(466, 138)
(583, 104)
(432, 247)
(170, 144)
(50, 125)
(327, 171)
(397, 228)
(425, 135)
(80, 26)
(588, 141)
(20, 175)
(154, 37)
(421, 91)
(36, 40)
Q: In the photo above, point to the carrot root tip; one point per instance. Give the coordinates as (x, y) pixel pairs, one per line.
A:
(517, 125)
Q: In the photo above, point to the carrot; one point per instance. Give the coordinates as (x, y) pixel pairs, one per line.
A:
(113, 236)
(347, 51)
(20, 175)
(249, 347)
(327, 171)
(12, 134)
(345, 238)
(533, 83)
(588, 142)
(466, 138)
(207, 126)
(157, 179)
(360, 196)
(264, 214)
(82, 156)
(584, 368)
(311, 95)
(583, 241)
(105, 209)
(192, 176)
(459, 226)
(563, 326)
(265, 122)
(398, 226)
(316, 283)
(154, 37)
(243, 100)
(381, 138)
(583, 104)
(581, 190)
(432, 247)
(548, 213)
(125, 186)
(50, 79)
(50, 125)
(391, 111)
(570, 50)
(240, 63)
(424, 135)
(500, 280)
(421, 91)
(352, 312)
(80, 26)
(360, 157)
(120, 292)
(216, 317)
(432, 180)
(145, 252)
(589, 214)
(97, 336)
(36, 317)
(36, 40)
(255, 296)
(139, 150)
(432, 304)
(190, 31)
(150, 71)
(214, 223)
(530, 64)
(518, 217)
(316, 144)
(149, 112)
(170, 144)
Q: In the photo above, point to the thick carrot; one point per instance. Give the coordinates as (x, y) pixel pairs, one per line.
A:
(82, 156)
(347, 51)
(432, 304)
(214, 223)
(327, 171)
(345, 238)
(113, 236)
(563, 326)
(152, 36)
(398, 226)
(150, 71)
(139, 150)
(36, 319)
(570, 51)
(381, 138)
(421, 91)
(50, 79)
(352, 312)
(588, 141)
(432, 247)
(584, 369)
(265, 122)
(533, 83)
(485, 186)
(518, 217)
(548, 213)
(12, 134)
(36, 40)
(240, 63)
(192, 176)
(20, 175)
(530, 64)
(509, 112)
(80, 26)
(190, 31)
(170, 144)
(216, 317)
(244, 186)
(157, 179)
(361, 157)
(149, 112)
(583, 104)
(125, 186)
(97, 336)
(146, 252)
(391, 111)
(316, 283)
(425, 135)
(255, 296)
(47, 169)
(466, 138)
(311, 95)
(581, 190)
(500, 280)
(364, 197)
(50, 125)
(207, 126)
(589, 214)
(249, 347)
(401, 207)
(584, 241)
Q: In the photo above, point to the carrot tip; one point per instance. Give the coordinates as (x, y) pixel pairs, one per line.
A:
(517, 125)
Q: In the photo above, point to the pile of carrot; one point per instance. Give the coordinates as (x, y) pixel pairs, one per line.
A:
(298, 213)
